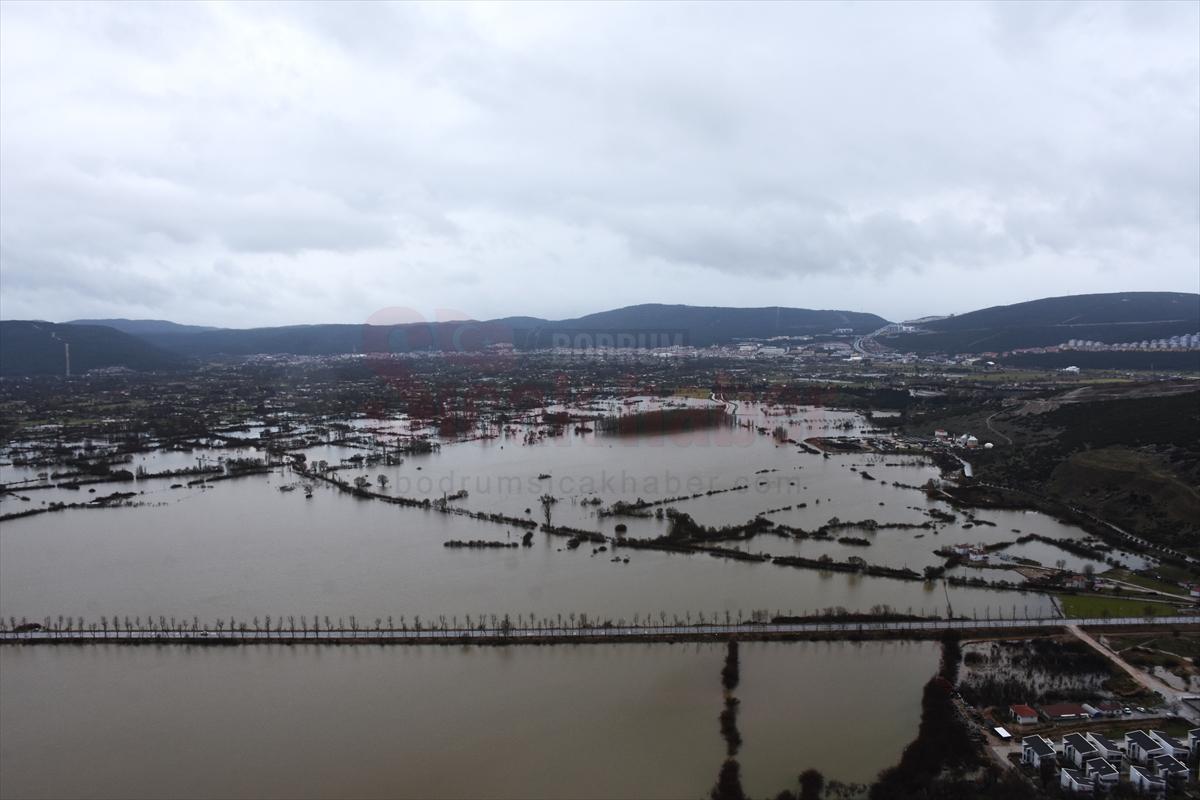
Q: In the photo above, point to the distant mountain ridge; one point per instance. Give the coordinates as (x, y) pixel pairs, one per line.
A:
(1110, 318)
(143, 327)
(29, 347)
(640, 326)
(708, 325)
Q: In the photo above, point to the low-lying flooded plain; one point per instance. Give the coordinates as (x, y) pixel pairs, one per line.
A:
(583, 721)
(282, 544)
(381, 522)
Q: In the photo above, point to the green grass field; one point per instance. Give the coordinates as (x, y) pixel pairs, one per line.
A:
(1092, 605)
(1144, 582)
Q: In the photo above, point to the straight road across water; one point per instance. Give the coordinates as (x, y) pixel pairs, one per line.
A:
(552, 635)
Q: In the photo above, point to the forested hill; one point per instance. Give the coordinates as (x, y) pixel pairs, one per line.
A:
(709, 325)
(39, 348)
(29, 347)
(142, 327)
(1110, 318)
(636, 326)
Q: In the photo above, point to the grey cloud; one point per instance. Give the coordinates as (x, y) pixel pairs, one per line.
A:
(781, 239)
(198, 156)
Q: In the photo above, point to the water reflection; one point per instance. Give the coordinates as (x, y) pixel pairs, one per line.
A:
(568, 721)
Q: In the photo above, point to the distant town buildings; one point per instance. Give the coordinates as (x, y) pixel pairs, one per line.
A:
(1187, 341)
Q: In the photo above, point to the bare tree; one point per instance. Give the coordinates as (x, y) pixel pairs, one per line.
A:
(547, 501)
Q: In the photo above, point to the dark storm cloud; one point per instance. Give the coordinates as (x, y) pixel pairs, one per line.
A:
(269, 163)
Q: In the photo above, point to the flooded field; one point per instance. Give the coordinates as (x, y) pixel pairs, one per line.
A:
(243, 547)
(539, 722)
(296, 541)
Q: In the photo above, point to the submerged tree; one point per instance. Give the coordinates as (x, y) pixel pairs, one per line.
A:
(811, 784)
(547, 500)
(729, 782)
(729, 729)
(731, 673)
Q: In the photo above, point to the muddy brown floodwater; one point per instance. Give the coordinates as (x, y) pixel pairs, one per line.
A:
(580, 721)
(628, 720)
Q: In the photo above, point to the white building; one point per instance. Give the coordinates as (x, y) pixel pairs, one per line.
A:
(1035, 749)
(1141, 747)
(1143, 782)
(1170, 769)
(1170, 745)
(1106, 747)
(1078, 750)
(1073, 781)
(1023, 714)
(1102, 773)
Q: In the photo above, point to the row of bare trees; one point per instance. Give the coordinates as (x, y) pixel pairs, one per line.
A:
(304, 624)
(498, 624)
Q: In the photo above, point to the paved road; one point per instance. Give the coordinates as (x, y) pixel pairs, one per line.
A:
(602, 634)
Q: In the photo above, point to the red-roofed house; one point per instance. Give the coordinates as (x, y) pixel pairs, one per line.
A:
(1023, 714)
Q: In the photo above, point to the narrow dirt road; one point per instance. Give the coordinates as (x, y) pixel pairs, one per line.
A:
(1173, 697)
(991, 428)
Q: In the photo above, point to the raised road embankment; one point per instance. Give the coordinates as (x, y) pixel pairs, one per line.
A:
(604, 634)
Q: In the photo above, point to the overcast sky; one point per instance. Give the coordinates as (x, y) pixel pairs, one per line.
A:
(257, 164)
